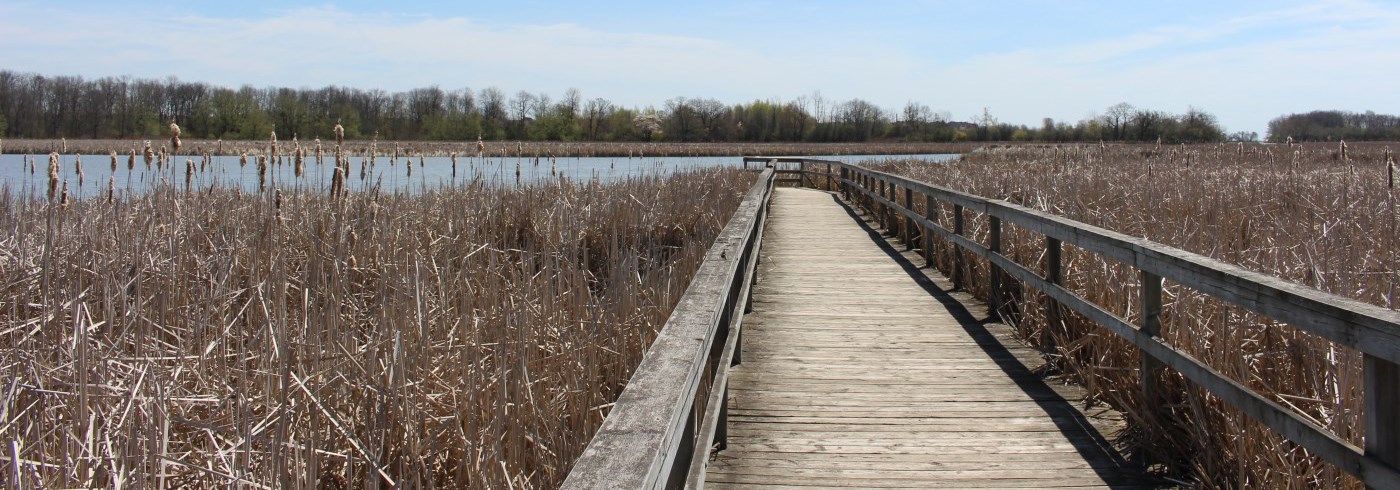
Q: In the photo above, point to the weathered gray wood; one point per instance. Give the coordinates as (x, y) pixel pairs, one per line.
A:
(1316, 438)
(908, 221)
(651, 422)
(957, 256)
(994, 272)
(1371, 329)
(1382, 386)
(845, 362)
(1053, 275)
(1368, 328)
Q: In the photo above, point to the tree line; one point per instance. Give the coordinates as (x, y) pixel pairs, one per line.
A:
(38, 106)
(1334, 126)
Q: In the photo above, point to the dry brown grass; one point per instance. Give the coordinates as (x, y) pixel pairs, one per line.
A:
(468, 337)
(1306, 213)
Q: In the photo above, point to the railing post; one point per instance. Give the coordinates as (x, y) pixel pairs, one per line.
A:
(884, 210)
(993, 270)
(1382, 398)
(891, 216)
(1150, 368)
(845, 192)
(830, 186)
(957, 250)
(908, 220)
(1053, 275)
(930, 206)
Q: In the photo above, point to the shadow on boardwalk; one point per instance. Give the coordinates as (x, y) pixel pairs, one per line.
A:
(861, 370)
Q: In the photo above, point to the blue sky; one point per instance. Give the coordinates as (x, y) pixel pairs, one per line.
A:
(1244, 61)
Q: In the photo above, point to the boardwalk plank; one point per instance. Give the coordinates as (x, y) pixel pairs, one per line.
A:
(855, 375)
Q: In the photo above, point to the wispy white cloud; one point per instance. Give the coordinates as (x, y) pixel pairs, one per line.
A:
(1330, 54)
(1246, 68)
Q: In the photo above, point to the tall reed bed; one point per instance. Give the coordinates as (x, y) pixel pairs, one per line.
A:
(1321, 215)
(464, 337)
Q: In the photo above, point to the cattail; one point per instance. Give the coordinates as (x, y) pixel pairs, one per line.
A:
(408, 164)
(453, 155)
(273, 151)
(319, 154)
(162, 157)
(262, 173)
(1342, 147)
(243, 159)
(1290, 143)
(1390, 168)
(111, 188)
(174, 137)
(339, 133)
(149, 155)
(53, 175)
(78, 168)
(480, 146)
(63, 196)
(277, 201)
(337, 181)
(64, 141)
(189, 172)
(219, 147)
(300, 160)
(517, 172)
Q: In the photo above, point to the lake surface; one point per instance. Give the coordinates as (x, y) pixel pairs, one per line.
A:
(408, 174)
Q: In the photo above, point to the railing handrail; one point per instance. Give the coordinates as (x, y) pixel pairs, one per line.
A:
(650, 436)
(1367, 328)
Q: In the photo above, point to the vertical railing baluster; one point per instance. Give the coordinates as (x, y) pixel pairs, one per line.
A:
(1382, 399)
(930, 208)
(1150, 368)
(957, 250)
(908, 218)
(1053, 275)
(994, 270)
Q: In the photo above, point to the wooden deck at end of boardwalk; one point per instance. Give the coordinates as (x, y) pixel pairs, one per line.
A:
(859, 370)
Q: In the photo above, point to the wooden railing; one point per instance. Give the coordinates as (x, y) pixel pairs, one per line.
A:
(660, 431)
(1372, 330)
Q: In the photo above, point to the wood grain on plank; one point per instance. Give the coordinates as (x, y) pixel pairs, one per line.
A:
(855, 374)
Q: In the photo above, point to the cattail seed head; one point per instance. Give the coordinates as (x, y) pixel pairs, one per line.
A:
(174, 130)
(111, 188)
(63, 197)
(1390, 169)
(78, 168)
(131, 160)
(243, 159)
(114, 161)
(339, 133)
(149, 155)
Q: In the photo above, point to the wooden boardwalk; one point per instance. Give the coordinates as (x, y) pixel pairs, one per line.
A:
(859, 370)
